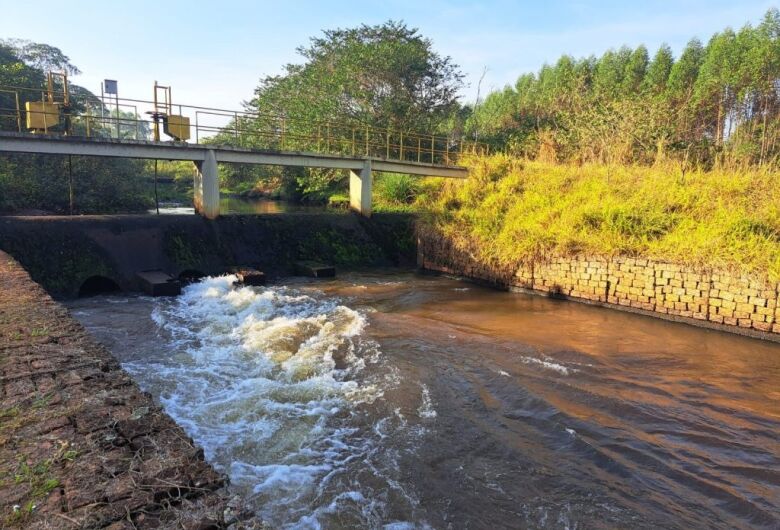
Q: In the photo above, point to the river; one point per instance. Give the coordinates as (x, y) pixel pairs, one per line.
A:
(394, 400)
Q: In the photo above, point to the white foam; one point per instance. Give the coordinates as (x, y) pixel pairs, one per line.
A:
(426, 409)
(548, 364)
(270, 381)
(259, 377)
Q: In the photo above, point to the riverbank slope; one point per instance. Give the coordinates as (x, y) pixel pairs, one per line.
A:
(80, 445)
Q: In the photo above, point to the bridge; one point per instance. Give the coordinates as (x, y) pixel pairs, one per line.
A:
(117, 127)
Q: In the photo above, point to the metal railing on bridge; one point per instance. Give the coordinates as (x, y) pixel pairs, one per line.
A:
(37, 110)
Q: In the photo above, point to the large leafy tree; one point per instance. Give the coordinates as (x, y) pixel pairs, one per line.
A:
(387, 79)
(386, 75)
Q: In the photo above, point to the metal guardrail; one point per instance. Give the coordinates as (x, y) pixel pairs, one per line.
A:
(124, 118)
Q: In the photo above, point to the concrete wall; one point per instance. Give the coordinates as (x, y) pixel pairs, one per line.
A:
(60, 253)
(715, 298)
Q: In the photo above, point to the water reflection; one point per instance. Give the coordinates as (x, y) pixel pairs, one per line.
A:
(241, 205)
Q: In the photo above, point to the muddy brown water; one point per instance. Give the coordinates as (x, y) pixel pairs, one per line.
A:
(393, 400)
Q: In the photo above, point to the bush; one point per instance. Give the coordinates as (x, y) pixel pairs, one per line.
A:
(396, 188)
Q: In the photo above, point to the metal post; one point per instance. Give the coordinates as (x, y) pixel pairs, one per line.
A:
(283, 123)
(387, 154)
(401, 153)
(419, 146)
(156, 198)
(45, 120)
(18, 113)
(353, 141)
(156, 116)
(433, 148)
(70, 183)
(366, 141)
(102, 105)
(327, 140)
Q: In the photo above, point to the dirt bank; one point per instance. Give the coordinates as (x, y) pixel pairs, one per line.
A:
(80, 445)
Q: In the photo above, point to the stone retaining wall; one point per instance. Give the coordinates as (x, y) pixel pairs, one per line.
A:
(714, 297)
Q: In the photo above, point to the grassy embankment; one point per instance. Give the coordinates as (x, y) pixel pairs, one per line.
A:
(517, 209)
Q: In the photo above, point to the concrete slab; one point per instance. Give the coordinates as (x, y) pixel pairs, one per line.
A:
(314, 269)
(159, 283)
(249, 276)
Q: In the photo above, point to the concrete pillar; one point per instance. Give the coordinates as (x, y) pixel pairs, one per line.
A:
(206, 194)
(197, 193)
(360, 190)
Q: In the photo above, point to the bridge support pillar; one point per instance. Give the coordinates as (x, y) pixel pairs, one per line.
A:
(206, 193)
(360, 190)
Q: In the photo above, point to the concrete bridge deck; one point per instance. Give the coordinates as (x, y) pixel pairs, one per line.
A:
(207, 156)
(13, 142)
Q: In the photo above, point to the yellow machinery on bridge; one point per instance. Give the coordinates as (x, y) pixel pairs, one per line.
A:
(174, 125)
(54, 108)
(45, 114)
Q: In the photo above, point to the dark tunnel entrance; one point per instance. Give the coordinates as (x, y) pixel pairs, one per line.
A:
(95, 285)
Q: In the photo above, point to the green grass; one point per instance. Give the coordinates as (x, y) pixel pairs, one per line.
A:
(395, 192)
(517, 210)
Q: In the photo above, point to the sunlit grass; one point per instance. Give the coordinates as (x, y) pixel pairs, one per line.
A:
(394, 192)
(518, 209)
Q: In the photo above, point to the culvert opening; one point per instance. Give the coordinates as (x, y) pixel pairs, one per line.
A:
(191, 276)
(95, 285)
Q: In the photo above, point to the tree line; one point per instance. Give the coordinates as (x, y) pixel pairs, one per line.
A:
(716, 104)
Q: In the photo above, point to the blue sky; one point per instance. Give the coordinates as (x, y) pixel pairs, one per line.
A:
(213, 53)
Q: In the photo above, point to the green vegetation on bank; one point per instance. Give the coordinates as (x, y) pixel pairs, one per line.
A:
(516, 210)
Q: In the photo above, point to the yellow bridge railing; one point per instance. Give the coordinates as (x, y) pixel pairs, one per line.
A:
(133, 119)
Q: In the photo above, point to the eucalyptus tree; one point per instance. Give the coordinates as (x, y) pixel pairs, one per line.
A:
(714, 92)
(658, 71)
(635, 71)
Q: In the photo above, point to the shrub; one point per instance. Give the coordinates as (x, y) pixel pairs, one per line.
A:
(397, 188)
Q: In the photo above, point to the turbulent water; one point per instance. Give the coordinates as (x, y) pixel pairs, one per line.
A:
(391, 400)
